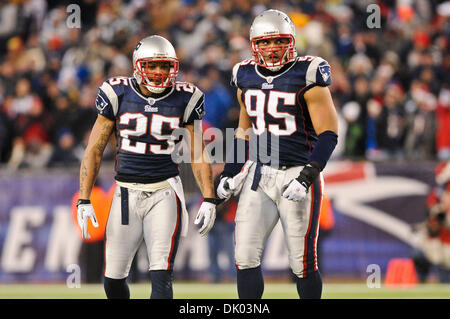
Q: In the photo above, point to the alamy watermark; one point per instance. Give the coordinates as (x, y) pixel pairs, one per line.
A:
(73, 20)
(374, 277)
(263, 148)
(74, 278)
(373, 21)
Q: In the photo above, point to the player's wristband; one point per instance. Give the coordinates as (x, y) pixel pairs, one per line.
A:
(214, 201)
(83, 201)
(308, 174)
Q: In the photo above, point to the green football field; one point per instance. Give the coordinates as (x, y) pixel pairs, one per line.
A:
(184, 290)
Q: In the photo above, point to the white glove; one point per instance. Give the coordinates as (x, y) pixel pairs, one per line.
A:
(295, 191)
(207, 210)
(84, 213)
(223, 190)
(238, 181)
(232, 185)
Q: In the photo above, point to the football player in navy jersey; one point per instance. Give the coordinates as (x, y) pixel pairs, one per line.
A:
(286, 104)
(148, 204)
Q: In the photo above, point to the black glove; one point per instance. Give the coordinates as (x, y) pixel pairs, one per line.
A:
(309, 174)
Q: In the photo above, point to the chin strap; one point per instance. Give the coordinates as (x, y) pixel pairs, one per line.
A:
(153, 89)
(274, 68)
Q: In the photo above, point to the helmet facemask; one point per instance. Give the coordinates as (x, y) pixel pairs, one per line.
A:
(156, 82)
(266, 57)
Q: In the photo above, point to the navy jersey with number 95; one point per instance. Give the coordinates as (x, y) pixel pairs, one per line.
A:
(277, 109)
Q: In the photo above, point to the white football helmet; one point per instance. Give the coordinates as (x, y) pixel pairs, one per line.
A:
(268, 25)
(151, 49)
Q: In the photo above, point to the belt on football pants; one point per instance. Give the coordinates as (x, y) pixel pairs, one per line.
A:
(256, 177)
(124, 204)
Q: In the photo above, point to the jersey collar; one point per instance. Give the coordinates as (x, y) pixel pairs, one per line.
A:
(269, 75)
(151, 99)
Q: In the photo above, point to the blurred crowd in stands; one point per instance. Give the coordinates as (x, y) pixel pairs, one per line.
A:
(390, 83)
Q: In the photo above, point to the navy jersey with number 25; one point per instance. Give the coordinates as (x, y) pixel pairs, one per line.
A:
(144, 126)
(276, 106)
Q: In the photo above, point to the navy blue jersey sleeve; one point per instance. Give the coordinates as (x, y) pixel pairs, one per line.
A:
(195, 109)
(318, 73)
(234, 81)
(240, 70)
(103, 105)
(107, 102)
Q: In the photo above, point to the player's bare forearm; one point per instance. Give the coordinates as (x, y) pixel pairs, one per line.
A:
(90, 164)
(203, 176)
(199, 162)
(202, 172)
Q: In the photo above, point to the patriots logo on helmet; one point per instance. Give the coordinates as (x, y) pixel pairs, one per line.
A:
(325, 70)
(137, 46)
(288, 20)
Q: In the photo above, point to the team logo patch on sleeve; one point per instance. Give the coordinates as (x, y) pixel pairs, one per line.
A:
(325, 70)
(100, 103)
(200, 109)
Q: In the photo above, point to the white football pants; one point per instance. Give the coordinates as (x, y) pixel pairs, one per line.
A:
(136, 216)
(259, 211)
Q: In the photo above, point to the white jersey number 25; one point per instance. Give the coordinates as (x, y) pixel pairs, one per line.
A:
(140, 129)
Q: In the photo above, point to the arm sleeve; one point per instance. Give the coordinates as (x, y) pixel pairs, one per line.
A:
(236, 157)
(324, 148)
